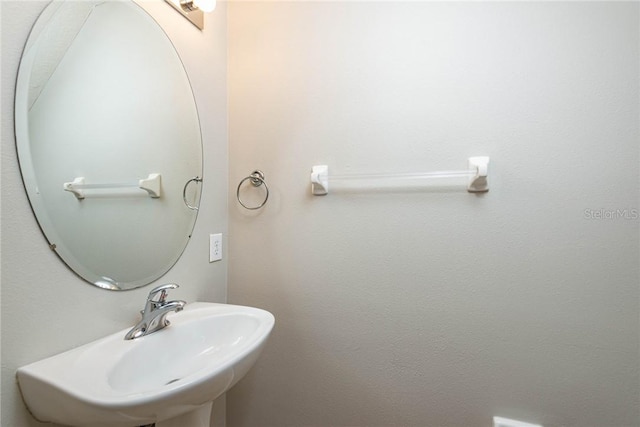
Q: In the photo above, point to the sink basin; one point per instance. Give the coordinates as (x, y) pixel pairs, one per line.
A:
(176, 371)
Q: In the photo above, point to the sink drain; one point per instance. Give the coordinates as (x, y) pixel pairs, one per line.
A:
(172, 381)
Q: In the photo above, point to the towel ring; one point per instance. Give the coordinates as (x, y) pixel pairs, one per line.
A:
(184, 192)
(257, 179)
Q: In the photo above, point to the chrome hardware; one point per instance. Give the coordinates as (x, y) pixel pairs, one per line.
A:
(257, 179)
(154, 315)
(184, 192)
(186, 9)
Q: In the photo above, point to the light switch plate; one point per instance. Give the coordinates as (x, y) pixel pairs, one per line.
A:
(215, 247)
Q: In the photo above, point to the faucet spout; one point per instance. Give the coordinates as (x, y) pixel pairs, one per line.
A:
(154, 315)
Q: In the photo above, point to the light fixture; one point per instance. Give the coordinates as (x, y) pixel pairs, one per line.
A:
(193, 9)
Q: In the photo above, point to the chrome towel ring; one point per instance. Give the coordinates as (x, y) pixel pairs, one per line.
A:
(184, 192)
(256, 179)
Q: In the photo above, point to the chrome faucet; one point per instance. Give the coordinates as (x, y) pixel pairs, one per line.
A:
(154, 315)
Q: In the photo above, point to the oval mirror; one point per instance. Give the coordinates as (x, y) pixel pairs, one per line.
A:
(108, 141)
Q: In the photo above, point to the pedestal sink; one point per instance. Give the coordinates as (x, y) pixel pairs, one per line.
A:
(169, 377)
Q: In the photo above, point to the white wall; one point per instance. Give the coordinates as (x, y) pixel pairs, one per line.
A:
(46, 309)
(438, 308)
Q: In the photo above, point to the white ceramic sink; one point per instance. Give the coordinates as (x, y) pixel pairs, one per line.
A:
(178, 370)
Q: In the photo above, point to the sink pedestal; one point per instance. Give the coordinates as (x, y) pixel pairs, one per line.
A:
(200, 417)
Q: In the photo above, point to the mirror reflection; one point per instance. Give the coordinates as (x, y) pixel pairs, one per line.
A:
(103, 102)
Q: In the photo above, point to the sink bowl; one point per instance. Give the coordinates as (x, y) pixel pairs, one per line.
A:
(178, 370)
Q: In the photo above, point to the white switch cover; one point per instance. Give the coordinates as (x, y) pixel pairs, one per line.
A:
(215, 247)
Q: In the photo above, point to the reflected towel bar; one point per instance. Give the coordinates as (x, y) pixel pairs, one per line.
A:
(477, 174)
(151, 185)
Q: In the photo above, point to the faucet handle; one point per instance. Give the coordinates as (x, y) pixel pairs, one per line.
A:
(162, 290)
